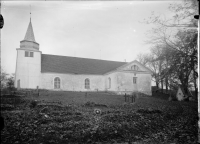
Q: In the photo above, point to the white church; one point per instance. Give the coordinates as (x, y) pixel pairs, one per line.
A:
(54, 72)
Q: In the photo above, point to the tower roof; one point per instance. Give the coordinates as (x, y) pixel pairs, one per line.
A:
(29, 39)
(29, 33)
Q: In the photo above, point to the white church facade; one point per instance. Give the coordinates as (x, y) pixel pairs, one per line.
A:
(53, 72)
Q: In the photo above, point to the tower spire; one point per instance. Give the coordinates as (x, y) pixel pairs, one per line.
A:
(29, 40)
(29, 33)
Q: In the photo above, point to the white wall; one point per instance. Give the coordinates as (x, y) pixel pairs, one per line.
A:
(72, 82)
(123, 81)
(28, 69)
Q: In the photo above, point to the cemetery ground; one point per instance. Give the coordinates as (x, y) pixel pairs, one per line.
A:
(69, 117)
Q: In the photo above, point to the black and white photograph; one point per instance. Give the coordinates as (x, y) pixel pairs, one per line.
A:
(99, 72)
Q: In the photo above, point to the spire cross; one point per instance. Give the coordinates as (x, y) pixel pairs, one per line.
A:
(30, 12)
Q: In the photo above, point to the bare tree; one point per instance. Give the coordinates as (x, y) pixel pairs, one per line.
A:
(143, 58)
(177, 43)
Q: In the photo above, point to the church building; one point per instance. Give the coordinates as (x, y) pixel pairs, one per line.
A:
(35, 69)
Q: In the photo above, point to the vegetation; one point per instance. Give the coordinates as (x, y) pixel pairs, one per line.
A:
(3, 78)
(173, 56)
(7, 82)
(149, 120)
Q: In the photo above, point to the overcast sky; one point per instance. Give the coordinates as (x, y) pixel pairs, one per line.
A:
(108, 30)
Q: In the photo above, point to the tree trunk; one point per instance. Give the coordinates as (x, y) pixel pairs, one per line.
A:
(185, 88)
(166, 83)
(162, 86)
(195, 87)
(160, 73)
(157, 84)
(196, 93)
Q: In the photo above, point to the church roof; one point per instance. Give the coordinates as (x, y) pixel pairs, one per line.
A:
(29, 33)
(66, 64)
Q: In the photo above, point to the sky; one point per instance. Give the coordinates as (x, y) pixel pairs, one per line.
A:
(107, 30)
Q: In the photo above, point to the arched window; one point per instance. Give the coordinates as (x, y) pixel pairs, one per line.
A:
(57, 83)
(134, 67)
(87, 83)
(109, 82)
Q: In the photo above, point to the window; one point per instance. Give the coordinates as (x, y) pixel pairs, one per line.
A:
(31, 54)
(87, 83)
(57, 83)
(109, 82)
(134, 67)
(28, 54)
(134, 80)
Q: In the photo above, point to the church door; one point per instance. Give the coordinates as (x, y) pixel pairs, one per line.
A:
(18, 84)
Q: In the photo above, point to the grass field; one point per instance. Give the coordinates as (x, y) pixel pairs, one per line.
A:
(67, 97)
(80, 97)
(73, 120)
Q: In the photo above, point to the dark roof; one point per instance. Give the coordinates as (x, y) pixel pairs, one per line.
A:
(66, 64)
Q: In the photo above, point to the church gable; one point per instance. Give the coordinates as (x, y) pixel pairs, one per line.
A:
(134, 66)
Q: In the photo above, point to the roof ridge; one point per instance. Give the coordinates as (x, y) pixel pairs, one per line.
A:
(85, 58)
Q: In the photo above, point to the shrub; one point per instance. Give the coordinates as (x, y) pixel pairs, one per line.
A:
(172, 98)
(10, 83)
(7, 107)
(148, 111)
(89, 104)
(33, 104)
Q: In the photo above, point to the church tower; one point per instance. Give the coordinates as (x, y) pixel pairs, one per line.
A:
(28, 65)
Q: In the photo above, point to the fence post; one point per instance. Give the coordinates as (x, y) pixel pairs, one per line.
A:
(38, 90)
(86, 97)
(132, 97)
(125, 97)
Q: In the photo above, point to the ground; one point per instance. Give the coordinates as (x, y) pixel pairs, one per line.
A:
(70, 117)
